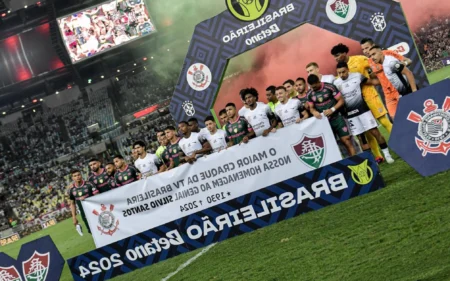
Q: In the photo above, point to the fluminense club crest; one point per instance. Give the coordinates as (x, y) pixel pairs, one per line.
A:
(36, 267)
(341, 11)
(189, 109)
(199, 76)
(378, 21)
(434, 128)
(9, 274)
(311, 150)
(108, 224)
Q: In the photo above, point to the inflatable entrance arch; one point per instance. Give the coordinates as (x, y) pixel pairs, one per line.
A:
(223, 37)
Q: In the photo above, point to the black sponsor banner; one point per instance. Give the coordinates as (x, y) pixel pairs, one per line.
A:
(314, 190)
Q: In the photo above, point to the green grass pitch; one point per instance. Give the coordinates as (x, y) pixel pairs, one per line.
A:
(439, 75)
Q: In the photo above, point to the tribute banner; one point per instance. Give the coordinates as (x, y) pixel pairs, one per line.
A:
(214, 179)
(279, 201)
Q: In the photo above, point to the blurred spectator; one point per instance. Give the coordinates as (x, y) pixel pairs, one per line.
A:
(433, 41)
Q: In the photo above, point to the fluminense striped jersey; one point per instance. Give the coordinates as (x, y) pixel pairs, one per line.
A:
(238, 129)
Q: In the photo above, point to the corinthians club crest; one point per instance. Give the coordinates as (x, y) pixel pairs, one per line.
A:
(108, 222)
(434, 127)
(36, 267)
(378, 22)
(199, 76)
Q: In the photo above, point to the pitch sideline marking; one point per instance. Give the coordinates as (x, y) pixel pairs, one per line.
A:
(188, 262)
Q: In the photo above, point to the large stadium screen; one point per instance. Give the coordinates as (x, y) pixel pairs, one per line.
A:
(100, 28)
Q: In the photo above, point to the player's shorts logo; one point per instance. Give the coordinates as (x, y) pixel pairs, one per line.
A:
(311, 150)
(199, 77)
(378, 22)
(341, 11)
(36, 267)
(108, 222)
(247, 10)
(189, 109)
(362, 174)
(434, 128)
(9, 273)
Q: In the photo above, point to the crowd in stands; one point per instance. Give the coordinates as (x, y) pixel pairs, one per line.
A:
(433, 40)
(31, 177)
(145, 131)
(30, 144)
(34, 191)
(135, 92)
(33, 181)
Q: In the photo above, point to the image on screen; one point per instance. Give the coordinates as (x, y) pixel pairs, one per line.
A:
(103, 27)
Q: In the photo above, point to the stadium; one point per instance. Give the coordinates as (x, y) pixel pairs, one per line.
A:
(189, 140)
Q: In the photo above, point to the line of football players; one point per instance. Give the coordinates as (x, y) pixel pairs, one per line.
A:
(349, 101)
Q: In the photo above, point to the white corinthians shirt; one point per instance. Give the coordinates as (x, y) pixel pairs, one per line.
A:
(289, 112)
(218, 141)
(191, 144)
(259, 118)
(148, 165)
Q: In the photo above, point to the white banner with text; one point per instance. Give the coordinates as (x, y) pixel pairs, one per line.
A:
(211, 180)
